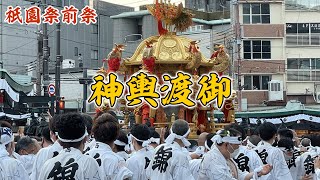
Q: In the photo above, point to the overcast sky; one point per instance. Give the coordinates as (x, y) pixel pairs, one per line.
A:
(137, 3)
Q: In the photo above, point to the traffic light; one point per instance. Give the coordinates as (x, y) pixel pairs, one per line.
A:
(61, 103)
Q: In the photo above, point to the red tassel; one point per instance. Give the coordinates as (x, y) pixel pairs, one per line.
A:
(114, 64)
(215, 54)
(149, 63)
(161, 30)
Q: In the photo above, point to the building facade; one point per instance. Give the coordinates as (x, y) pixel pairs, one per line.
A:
(262, 50)
(18, 42)
(279, 60)
(302, 44)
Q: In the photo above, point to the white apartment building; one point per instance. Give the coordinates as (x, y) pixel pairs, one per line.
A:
(302, 50)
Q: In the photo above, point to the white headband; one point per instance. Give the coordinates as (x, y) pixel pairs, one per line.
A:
(229, 139)
(285, 149)
(73, 140)
(119, 143)
(6, 136)
(145, 143)
(183, 138)
(250, 145)
(310, 145)
(154, 140)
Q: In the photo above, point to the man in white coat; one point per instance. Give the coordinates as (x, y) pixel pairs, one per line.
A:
(121, 145)
(48, 152)
(140, 160)
(10, 168)
(307, 170)
(272, 155)
(26, 150)
(70, 163)
(218, 163)
(195, 163)
(247, 159)
(170, 161)
(113, 167)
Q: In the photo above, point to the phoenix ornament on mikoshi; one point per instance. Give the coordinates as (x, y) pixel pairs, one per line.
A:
(173, 16)
(220, 59)
(114, 59)
(195, 57)
(148, 58)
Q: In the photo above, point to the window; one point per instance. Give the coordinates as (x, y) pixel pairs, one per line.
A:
(94, 54)
(59, 3)
(66, 3)
(303, 34)
(256, 82)
(302, 4)
(76, 51)
(94, 29)
(274, 87)
(195, 28)
(140, 29)
(256, 49)
(303, 69)
(256, 13)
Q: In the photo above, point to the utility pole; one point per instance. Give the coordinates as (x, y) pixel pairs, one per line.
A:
(46, 53)
(39, 62)
(1, 35)
(238, 49)
(58, 68)
(230, 51)
(85, 90)
(85, 81)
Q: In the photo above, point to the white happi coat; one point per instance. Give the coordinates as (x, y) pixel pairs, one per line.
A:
(139, 162)
(71, 164)
(112, 166)
(306, 164)
(294, 165)
(26, 160)
(123, 155)
(273, 156)
(250, 158)
(195, 167)
(317, 171)
(42, 156)
(214, 167)
(89, 145)
(10, 168)
(169, 162)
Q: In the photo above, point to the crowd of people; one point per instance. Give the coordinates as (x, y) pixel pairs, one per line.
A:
(76, 147)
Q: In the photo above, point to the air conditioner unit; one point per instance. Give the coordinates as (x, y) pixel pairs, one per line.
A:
(318, 97)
